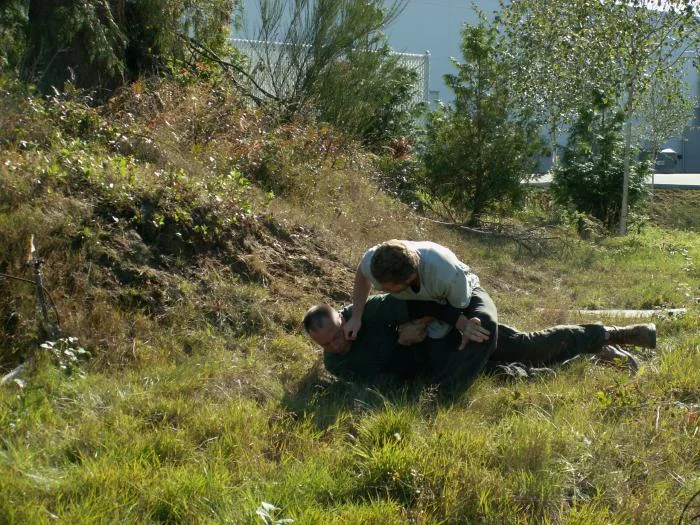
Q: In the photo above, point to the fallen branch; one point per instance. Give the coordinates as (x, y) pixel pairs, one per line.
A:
(523, 240)
(671, 312)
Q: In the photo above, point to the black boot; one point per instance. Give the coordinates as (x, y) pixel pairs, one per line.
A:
(636, 335)
(614, 354)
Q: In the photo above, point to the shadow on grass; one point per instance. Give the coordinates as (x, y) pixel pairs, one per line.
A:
(322, 397)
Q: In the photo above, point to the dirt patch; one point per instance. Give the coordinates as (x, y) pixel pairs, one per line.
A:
(291, 261)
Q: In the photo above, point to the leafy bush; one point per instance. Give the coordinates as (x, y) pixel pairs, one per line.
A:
(591, 172)
(403, 177)
(335, 61)
(369, 96)
(477, 153)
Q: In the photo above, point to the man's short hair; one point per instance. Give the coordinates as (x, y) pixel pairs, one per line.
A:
(315, 317)
(394, 262)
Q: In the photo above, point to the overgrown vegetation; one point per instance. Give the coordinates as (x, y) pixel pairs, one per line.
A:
(100, 44)
(182, 234)
(478, 153)
(171, 263)
(331, 59)
(592, 166)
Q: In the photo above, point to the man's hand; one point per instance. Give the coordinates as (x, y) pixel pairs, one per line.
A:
(471, 331)
(352, 327)
(413, 332)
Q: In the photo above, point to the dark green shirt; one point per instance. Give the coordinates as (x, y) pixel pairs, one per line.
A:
(372, 350)
(375, 342)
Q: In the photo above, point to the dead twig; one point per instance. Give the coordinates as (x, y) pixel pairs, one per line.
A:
(45, 291)
(200, 49)
(527, 239)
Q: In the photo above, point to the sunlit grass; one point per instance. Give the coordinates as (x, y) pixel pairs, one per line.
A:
(202, 399)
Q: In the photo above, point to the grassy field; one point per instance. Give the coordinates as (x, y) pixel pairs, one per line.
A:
(183, 240)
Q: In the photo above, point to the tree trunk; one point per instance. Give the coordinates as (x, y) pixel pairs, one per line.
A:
(626, 175)
(554, 140)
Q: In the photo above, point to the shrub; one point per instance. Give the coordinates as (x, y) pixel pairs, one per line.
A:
(369, 96)
(591, 172)
(477, 153)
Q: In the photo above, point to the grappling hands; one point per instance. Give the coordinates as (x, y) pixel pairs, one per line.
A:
(413, 332)
(352, 327)
(471, 331)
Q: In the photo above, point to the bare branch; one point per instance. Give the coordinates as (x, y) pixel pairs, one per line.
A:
(202, 50)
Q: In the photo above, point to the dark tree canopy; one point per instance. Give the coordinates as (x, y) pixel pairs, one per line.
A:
(100, 44)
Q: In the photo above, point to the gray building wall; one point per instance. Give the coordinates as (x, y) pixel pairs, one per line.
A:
(687, 145)
(435, 26)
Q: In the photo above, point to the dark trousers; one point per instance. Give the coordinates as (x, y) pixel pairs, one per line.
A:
(440, 361)
(553, 345)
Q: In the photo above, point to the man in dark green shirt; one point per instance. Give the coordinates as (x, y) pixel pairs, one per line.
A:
(392, 341)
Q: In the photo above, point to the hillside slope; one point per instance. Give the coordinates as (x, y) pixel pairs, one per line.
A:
(183, 235)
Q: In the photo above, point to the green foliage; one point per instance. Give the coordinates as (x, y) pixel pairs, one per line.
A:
(591, 173)
(402, 174)
(478, 153)
(13, 21)
(335, 61)
(368, 95)
(77, 41)
(665, 109)
(99, 44)
(563, 49)
(544, 65)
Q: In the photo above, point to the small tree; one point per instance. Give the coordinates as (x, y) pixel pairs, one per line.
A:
(538, 38)
(368, 95)
(593, 165)
(565, 48)
(478, 153)
(331, 55)
(665, 109)
(300, 40)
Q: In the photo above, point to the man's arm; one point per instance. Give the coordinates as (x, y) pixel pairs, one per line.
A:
(471, 329)
(359, 298)
(459, 295)
(442, 312)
